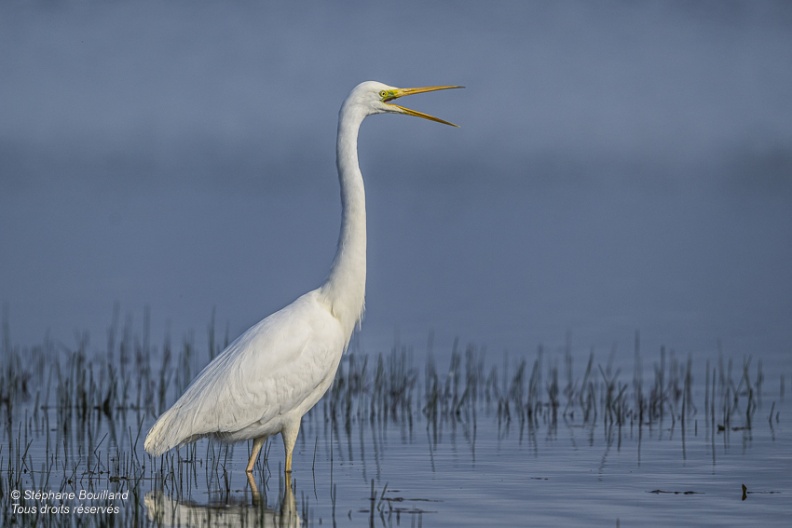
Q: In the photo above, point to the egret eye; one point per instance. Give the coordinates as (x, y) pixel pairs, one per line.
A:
(383, 94)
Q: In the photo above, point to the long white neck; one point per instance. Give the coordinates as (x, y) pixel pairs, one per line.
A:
(345, 288)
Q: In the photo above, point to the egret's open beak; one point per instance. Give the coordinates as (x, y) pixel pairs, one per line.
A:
(390, 95)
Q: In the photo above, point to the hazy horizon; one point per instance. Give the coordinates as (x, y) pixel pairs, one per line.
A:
(619, 168)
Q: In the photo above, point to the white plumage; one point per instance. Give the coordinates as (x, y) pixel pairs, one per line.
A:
(272, 374)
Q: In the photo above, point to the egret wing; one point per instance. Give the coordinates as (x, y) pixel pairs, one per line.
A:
(279, 365)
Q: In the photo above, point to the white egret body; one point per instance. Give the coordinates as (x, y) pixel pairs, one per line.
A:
(272, 374)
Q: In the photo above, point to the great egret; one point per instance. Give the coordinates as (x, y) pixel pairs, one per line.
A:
(271, 375)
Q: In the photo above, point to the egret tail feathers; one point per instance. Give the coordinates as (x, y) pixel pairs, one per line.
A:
(168, 432)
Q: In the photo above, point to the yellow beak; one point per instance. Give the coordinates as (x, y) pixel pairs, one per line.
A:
(390, 95)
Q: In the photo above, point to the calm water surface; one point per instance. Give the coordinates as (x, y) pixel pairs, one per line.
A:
(177, 156)
(388, 456)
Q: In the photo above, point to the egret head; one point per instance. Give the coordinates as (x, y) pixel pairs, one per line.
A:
(376, 98)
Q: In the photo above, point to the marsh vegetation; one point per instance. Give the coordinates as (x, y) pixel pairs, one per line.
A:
(381, 444)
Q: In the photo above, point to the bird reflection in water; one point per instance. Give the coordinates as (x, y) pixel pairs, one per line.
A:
(232, 512)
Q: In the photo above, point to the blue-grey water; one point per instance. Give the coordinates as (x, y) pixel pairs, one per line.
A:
(388, 456)
(618, 170)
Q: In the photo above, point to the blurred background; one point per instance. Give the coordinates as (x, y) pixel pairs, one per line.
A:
(620, 168)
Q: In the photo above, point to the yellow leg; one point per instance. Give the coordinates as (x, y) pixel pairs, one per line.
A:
(288, 508)
(258, 443)
(254, 489)
(289, 439)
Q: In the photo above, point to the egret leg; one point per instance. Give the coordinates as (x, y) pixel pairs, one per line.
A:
(258, 443)
(289, 516)
(289, 434)
(254, 491)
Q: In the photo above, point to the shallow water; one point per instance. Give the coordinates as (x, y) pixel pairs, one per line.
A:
(428, 442)
(150, 146)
